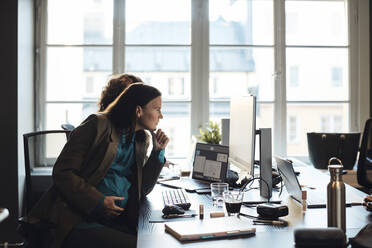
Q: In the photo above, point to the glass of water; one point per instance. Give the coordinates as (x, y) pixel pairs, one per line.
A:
(217, 190)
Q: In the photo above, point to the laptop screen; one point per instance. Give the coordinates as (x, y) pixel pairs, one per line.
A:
(289, 178)
(210, 162)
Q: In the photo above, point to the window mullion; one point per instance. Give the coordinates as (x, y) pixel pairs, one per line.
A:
(199, 65)
(118, 48)
(354, 86)
(40, 64)
(280, 106)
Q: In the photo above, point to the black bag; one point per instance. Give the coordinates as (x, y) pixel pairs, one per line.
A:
(323, 146)
(363, 239)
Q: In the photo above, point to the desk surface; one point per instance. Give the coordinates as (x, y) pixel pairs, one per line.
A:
(153, 234)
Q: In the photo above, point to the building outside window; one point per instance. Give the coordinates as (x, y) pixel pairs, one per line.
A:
(200, 54)
(292, 129)
(331, 124)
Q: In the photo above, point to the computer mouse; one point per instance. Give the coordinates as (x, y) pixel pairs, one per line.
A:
(172, 209)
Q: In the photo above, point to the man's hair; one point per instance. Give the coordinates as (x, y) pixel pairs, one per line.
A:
(114, 87)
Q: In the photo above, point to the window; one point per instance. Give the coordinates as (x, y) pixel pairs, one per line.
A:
(331, 124)
(176, 87)
(200, 54)
(292, 129)
(315, 48)
(293, 76)
(336, 77)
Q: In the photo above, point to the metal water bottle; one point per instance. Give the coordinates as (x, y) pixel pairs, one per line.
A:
(336, 196)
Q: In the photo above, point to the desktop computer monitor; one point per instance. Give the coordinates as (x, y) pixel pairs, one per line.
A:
(242, 134)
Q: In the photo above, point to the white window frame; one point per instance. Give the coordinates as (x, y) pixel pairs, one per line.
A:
(200, 65)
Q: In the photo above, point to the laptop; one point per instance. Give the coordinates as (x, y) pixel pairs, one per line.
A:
(210, 164)
(315, 198)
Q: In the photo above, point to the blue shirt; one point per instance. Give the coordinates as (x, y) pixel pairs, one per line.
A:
(116, 181)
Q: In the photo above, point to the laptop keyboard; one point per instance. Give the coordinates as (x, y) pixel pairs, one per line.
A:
(176, 197)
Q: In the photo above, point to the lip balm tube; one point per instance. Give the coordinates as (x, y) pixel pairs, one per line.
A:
(304, 198)
(201, 211)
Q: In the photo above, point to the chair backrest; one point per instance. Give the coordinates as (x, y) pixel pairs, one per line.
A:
(364, 170)
(67, 127)
(323, 146)
(41, 150)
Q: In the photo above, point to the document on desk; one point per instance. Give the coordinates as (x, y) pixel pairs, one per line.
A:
(209, 229)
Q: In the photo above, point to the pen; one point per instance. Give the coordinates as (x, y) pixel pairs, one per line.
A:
(269, 222)
(172, 216)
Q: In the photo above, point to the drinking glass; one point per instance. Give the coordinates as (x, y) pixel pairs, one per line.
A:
(233, 201)
(217, 190)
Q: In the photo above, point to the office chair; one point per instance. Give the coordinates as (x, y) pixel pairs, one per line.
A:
(323, 146)
(68, 127)
(364, 170)
(41, 150)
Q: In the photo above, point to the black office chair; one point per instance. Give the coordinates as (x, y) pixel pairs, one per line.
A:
(41, 150)
(68, 127)
(364, 170)
(323, 146)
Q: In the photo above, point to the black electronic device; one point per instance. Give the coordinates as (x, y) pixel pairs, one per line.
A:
(276, 178)
(330, 237)
(271, 211)
(172, 209)
(177, 197)
(210, 164)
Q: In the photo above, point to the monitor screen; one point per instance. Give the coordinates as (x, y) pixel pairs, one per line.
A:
(242, 133)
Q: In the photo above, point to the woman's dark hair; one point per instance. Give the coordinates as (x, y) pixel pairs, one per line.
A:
(122, 112)
(114, 87)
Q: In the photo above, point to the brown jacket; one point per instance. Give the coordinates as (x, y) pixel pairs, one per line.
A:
(82, 164)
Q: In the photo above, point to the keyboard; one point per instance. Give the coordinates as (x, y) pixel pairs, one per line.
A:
(176, 197)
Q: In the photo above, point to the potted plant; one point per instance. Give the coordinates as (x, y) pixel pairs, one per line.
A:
(211, 134)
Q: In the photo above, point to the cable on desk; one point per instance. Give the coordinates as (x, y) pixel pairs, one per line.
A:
(251, 182)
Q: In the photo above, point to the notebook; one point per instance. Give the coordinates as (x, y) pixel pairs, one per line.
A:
(315, 198)
(210, 164)
(209, 229)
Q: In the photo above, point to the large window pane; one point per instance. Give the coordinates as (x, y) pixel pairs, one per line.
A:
(158, 22)
(80, 22)
(241, 22)
(176, 124)
(264, 113)
(316, 22)
(73, 113)
(77, 73)
(304, 118)
(317, 74)
(167, 68)
(241, 71)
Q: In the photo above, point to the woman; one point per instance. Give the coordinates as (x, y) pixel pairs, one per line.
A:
(101, 174)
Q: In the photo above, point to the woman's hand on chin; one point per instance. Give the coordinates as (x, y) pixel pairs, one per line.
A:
(160, 139)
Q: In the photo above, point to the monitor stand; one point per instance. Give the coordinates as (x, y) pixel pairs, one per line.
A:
(265, 162)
